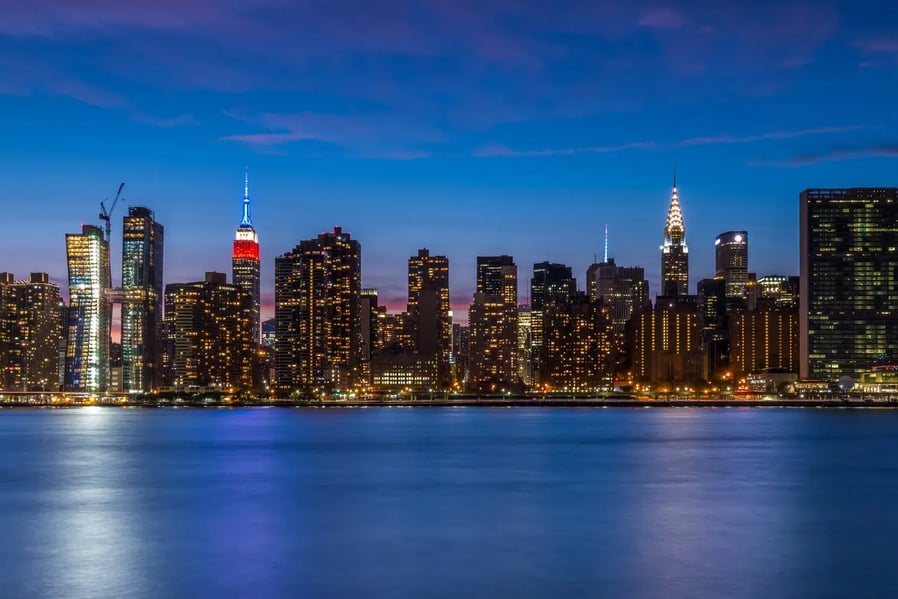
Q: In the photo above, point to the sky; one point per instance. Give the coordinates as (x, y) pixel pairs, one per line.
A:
(467, 127)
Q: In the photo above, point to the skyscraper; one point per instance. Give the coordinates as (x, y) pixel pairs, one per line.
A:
(245, 262)
(849, 276)
(142, 267)
(429, 311)
(577, 346)
(210, 323)
(666, 344)
(317, 297)
(764, 338)
(674, 253)
(90, 312)
(30, 333)
(549, 282)
(623, 288)
(731, 253)
(493, 322)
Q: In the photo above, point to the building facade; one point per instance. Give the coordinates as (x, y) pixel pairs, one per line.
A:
(493, 322)
(245, 264)
(318, 314)
(666, 344)
(577, 350)
(142, 291)
(212, 335)
(731, 258)
(764, 339)
(30, 333)
(90, 311)
(849, 280)
(622, 288)
(549, 282)
(430, 314)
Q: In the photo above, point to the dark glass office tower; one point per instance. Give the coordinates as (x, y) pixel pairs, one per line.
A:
(142, 260)
(849, 280)
(550, 281)
(429, 311)
(731, 253)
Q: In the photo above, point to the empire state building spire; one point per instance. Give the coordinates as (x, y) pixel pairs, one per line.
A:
(247, 220)
(674, 253)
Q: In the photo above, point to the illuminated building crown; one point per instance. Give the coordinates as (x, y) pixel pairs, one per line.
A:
(675, 230)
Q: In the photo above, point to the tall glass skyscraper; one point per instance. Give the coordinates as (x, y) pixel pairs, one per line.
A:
(142, 260)
(245, 262)
(674, 253)
(849, 280)
(90, 312)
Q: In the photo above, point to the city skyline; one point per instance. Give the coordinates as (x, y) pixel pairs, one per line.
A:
(442, 127)
(396, 298)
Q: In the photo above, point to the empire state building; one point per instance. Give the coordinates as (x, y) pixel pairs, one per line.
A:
(674, 253)
(245, 259)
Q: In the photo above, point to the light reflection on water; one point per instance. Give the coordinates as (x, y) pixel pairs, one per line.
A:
(447, 502)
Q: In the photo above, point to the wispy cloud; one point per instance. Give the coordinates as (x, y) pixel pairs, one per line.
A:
(835, 154)
(499, 150)
(506, 151)
(768, 136)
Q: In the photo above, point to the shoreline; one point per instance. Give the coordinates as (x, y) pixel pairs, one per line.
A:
(484, 403)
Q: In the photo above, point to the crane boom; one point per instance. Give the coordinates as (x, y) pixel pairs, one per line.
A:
(107, 215)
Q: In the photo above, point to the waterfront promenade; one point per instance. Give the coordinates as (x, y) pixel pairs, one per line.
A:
(67, 400)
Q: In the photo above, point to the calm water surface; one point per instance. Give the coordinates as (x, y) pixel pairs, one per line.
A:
(449, 502)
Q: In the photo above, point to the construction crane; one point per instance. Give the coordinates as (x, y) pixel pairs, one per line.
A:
(106, 215)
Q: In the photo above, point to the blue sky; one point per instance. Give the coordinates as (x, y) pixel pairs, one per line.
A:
(467, 127)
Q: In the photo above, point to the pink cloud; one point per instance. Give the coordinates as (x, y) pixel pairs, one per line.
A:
(663, 18)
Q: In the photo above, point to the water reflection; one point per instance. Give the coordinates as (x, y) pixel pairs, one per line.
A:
(647, 503)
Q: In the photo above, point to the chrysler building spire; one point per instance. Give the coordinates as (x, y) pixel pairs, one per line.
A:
(674, 253)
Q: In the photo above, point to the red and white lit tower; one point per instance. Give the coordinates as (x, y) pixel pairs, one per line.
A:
(245, 259)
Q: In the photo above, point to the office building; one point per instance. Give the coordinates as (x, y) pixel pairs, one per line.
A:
(666, 343)
(674, 252)
(30, 333)
(141, 333)
(318, 314)
(848, 243)
(622, 288)
(714, 322)
(493, 322)
(524, 344)
(549, 282)
(731, 258)
(577, 344)
(245, 263)
(90, 312)
(429, 312)
(780, 289)
(212, 335)
(764, 339)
